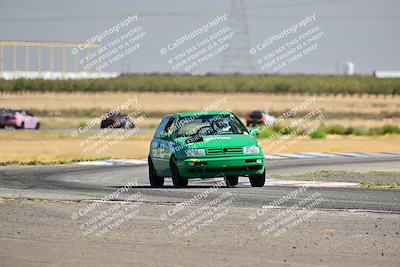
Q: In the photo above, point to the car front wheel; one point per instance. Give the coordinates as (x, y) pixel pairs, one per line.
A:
(154, 179)
(257, 180)
(177, 179)
(231, 181)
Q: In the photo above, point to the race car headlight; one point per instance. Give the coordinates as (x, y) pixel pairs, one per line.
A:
(195, 152)
(251, 150)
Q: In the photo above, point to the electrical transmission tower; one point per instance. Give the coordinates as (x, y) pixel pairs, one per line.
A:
(237, 58)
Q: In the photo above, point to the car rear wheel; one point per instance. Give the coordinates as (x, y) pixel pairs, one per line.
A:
(37, 127)
(154, 179)
(177, 179)
(20, 127)
(257, 180)
(231, 181)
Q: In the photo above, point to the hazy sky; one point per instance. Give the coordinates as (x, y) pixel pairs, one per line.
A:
(366, 32)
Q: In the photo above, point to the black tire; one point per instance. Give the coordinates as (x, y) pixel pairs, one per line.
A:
(129, 124)
(177, 179)
(257, 180)
(154, 179)
(37, 126)
(20, 127)
(2, 126)
(231, 181)
(247, 124)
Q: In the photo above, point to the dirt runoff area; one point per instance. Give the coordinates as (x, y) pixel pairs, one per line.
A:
(384, 177)
(43, 233)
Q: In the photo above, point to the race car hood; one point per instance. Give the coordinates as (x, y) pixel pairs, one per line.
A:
(221, 141)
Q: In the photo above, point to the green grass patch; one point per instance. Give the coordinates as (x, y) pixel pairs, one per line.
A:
(318, 134)
(55, 162)
(360, 131)
(313, 84)
(322, 131)
(380, 185)
(324, 173)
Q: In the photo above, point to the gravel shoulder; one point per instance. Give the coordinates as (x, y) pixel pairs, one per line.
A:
(392, 177)
(42, 233)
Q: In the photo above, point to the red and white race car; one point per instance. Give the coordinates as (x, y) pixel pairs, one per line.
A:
(259, 117)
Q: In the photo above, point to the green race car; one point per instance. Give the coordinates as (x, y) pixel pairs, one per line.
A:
(205, 145)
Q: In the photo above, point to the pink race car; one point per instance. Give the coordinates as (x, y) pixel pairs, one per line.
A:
(20, 119)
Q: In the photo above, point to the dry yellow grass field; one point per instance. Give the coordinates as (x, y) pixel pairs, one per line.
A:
(160, 104)
(76, 122)
(172, 102)
(50, 146)
(61, 146)
(152, 122)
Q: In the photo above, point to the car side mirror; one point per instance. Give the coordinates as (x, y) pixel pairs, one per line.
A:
(165, 136)
(254, 132)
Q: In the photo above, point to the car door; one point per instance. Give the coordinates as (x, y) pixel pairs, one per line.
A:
(29, 120)
(166, 147)
(23, 120)
(159, 148)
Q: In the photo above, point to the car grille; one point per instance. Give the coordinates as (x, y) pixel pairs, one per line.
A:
(224, 151)
(233, 168)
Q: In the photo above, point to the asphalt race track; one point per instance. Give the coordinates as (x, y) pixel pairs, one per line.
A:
(40, 226)
(76, 182)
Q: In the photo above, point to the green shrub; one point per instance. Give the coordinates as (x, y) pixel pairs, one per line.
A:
(360, 131)
(82, 124)
(356, 131)
(390, 129)
(318, 134)
(266, 133)
(299, 84)
(387, 129)
(335, 129)
(323, 131)
(277, 128)
(376, 131)
(349, 131)
(287, 130)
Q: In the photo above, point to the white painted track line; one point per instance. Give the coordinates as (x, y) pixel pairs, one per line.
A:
(111, 162)
(293, 156)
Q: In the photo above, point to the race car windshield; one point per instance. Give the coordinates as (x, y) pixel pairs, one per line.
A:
(209, 125)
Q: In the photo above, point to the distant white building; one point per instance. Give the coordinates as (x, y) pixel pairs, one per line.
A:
(348, 68)
(386, 74)
(51, 75)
